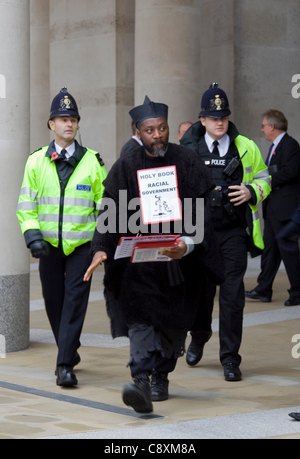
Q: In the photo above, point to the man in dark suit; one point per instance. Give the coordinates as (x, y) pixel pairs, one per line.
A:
(132, 143)
(284, 167)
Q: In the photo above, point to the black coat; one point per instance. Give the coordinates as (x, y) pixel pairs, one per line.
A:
(131, 145)
(285, 195)
(142, 292)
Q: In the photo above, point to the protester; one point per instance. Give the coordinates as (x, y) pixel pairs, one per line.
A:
(155, 303)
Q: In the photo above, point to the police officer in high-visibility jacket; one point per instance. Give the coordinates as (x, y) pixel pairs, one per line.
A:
(57, 211)
(242, 181)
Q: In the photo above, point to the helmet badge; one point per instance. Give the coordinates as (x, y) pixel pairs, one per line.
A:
(66, 104)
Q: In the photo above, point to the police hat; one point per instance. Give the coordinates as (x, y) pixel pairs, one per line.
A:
(214, 103)
(148, 110)
(63, 105)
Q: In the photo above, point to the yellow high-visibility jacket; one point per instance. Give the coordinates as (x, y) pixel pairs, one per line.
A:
(68, 214)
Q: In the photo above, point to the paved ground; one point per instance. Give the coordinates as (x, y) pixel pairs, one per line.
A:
(201, 406)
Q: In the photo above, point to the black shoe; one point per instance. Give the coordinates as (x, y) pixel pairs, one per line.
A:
(195, 350)
(295, 416)
(65, 376)
(194, 353)
(138, 394)
(232, 372)
(292, 302)
(159, 387)
(253, 295)
(77, 360)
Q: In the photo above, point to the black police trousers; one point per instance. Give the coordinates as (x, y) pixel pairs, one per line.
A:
(66, 297)
(233, 242)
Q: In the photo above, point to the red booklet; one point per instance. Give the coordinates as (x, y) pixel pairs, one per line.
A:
(127, 245)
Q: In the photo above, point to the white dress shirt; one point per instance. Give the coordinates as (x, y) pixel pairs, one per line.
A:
(275, 145)
(70, 150)
(223, 146)
(137, 139)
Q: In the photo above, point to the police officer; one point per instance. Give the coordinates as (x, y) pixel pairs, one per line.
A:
(242, 181)
(57, 211)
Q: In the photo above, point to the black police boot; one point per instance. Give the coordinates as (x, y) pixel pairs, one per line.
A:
(195, 350)
(138, 394)
(159, 386)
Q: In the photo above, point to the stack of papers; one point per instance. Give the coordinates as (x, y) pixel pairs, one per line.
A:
(146, 248)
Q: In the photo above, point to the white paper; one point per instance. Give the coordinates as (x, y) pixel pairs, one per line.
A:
(146, 255)
(159, 195)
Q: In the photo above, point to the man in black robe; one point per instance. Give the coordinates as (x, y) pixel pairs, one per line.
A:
(155, 303)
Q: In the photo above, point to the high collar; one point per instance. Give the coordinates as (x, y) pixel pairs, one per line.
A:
(75, 158)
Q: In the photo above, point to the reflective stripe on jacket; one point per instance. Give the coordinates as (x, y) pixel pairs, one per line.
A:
(71, 215)
(256, 175)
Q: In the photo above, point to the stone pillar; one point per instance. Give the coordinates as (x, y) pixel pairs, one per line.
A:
(252, 49)
(91, 53)
(14, 148)
(39, 73)
(217, 47)
(167, 57)
(267, 55)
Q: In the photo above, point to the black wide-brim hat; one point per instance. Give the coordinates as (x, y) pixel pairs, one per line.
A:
(214, 103)
(148, 110)
(63, 104)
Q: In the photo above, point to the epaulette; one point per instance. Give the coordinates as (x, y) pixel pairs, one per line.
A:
(35, 151)
(101, 162)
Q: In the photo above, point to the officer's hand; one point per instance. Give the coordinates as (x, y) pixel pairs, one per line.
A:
(39, 249)
(176, 253)
(97, 260)
(241, 195)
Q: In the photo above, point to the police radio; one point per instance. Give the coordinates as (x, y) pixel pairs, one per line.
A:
(233, 165)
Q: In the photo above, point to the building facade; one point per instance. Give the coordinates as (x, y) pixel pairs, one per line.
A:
(111, 53)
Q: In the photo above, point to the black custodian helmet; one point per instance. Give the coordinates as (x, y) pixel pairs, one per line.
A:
(63, 105)
(214, 103)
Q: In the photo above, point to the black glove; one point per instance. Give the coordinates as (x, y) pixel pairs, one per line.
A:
(39, 249)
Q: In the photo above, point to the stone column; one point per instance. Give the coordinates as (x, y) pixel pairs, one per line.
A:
(217, 47)
(267, 55)
(252, 49)
(14, 147)
(167, 57)
(39, 73)
(91, 53)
